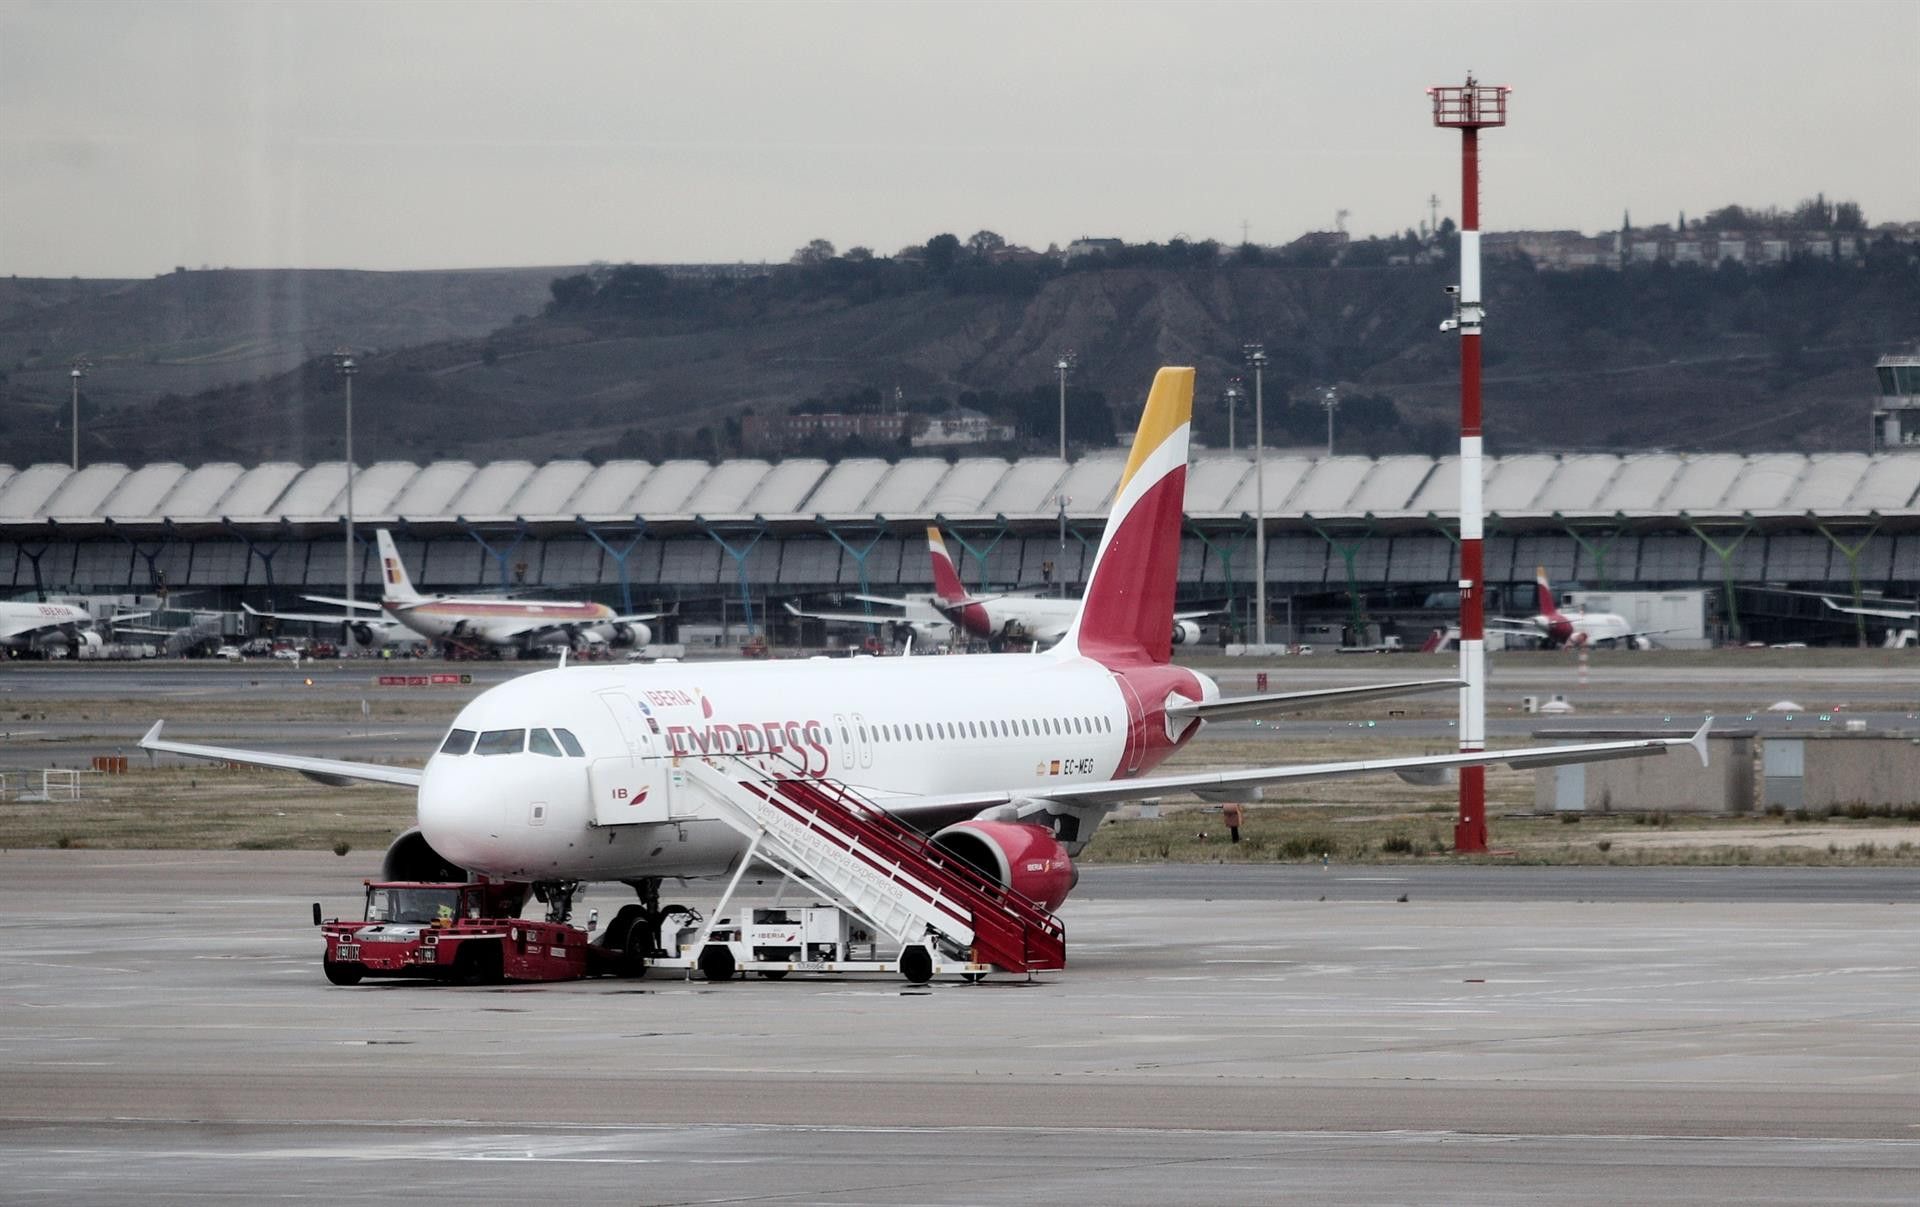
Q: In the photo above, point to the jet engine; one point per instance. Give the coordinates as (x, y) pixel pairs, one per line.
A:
(411, 857)
(1016, 855)
(1185, 632)
(629, 635)
(363, 634)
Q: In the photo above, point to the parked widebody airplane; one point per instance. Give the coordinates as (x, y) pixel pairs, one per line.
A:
(473, 620)
(575, 774)
(40, 628)
(1557, 630)
(917, 616)
(1039, 619)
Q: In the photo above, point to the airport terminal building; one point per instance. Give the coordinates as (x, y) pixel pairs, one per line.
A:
(1372, 540)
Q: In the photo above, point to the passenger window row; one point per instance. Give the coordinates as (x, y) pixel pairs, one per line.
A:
(945, 731)
(514, 741)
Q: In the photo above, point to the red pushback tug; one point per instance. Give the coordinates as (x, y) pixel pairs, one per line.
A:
(454, 932)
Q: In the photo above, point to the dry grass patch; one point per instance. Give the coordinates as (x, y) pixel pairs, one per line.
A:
(210, 809)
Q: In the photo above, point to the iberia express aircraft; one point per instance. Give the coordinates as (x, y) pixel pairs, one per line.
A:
(567, 775)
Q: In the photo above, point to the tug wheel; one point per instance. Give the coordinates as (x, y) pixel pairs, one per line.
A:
(916, 964)
(716, 962)
(342, 974)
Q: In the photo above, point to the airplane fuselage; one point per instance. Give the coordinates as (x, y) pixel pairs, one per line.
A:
(896, 728)
(500, 621)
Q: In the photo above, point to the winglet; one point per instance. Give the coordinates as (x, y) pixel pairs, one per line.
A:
(1699, 740)
(152, 735)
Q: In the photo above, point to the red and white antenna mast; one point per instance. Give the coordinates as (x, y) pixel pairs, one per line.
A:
(1469, 109)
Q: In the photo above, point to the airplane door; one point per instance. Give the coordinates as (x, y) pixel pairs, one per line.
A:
(1136, 747)
(635, 785)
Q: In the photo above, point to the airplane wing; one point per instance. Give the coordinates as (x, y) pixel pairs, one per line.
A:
(1270, 704)
(635, 618)
(336, 602)
(1512, 626)
(337, 772)
(1198, 615)
(1106, 793)
(882, 599)
(1888, 613)
(844, 617)
(315, 618)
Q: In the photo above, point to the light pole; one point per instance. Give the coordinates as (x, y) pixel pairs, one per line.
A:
(1060, 575)
(1330, 399)
(1234, 394)
(343, 364)
(80, 367)
(1256, 355)
(1063, 366)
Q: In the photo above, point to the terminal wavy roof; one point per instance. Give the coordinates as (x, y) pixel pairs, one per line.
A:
(1221, 487)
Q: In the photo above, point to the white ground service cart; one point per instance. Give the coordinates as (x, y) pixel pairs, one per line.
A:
(775, 940)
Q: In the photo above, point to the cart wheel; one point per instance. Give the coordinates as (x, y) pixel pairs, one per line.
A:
(633, 953)
(916, 964)
(774, 974)
(342, 974)
(716, 962)
(479, 965)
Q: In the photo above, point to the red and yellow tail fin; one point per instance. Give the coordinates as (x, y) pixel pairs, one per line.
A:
(1126, 616)
(946, 576)
(1549, 608)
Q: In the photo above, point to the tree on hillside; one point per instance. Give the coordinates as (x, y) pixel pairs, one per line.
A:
(984, 243)
(941, 252)
(817, 251)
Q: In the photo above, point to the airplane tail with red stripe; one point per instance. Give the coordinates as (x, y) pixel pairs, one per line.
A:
(946, 577)
(1549, 607)
(395, 586)
(1126, 616)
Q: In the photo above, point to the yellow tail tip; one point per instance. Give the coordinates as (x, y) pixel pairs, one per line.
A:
(1169, 408)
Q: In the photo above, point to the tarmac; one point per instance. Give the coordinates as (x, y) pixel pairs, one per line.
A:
(1223, 1034)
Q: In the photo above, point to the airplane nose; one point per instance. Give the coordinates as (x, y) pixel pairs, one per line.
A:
(460, 807)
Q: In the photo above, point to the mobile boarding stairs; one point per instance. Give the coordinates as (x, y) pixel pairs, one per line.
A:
(939, 914)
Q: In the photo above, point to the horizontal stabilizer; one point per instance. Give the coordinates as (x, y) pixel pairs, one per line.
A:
(1273, 704)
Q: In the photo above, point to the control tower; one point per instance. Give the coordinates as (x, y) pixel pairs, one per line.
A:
(1896, 411)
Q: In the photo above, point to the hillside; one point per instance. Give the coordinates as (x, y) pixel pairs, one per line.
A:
(644, 366)
(187, 332)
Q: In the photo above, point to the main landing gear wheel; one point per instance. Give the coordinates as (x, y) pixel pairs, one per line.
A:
(916, 964)
(627, 939)
(716, 962)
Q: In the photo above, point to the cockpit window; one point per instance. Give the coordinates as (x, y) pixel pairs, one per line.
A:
(541, 742)
(569, 743)
(458, 741)
(501, 741)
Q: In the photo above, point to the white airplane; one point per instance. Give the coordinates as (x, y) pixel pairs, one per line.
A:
(1884, 613)
(1039, 619)
(476, 620)
(1557, 630)
(40, 628)
(576, 774)
(917, 616)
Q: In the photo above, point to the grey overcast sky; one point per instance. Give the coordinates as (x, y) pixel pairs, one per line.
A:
(139, 136)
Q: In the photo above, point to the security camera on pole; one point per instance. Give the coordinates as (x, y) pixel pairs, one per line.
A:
(1469, 109)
